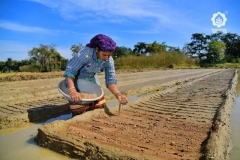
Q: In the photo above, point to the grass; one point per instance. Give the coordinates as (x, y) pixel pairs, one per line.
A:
(226, 65)
(7, 74)
(15, 76)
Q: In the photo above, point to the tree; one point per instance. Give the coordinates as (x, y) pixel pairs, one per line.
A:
(55, 58)
(155, 47)
(9, 64)
(63, 63)
(2, 66)
(121, 51)
(173, 49)
(216, 51)
(46, 56)
(198, 46)
(76, 48)
(232, 42)
(140, 48)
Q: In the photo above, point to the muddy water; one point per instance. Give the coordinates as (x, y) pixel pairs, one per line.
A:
(235, 126)
(18, 143)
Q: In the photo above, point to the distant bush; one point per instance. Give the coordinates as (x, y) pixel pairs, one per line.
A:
(158, 60)
(29, 68)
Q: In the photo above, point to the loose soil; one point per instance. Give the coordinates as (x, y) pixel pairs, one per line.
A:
(86, 95)
(36, 100)
(183, 115)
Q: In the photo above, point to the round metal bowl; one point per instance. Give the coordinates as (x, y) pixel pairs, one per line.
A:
(82, 86)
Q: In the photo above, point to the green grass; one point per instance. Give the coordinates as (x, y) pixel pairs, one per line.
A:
(226, 65)
(7, 74)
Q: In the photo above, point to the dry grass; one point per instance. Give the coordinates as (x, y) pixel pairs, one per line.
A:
(18, 76)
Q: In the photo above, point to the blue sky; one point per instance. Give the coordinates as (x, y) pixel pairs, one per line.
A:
(25, 24)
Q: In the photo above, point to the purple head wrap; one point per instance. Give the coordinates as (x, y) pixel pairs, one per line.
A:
(104, 43)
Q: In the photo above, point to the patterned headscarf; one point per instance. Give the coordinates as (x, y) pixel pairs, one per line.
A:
(104, 43)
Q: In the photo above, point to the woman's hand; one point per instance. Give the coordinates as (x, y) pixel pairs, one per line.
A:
(122, 98)
(75, 96)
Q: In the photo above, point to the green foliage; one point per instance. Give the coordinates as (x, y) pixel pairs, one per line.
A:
(215, 51)
(159, 60)
(63, 64)
(76, 48)
(122, 51)
(46, 57)
(203, 50)
(156, 47)
(232, 42)
(29, 68)
(198, 45)
(140, 48)
(9, 64)
(213, 48)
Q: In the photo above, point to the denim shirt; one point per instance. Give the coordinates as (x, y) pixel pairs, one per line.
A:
(88, 65)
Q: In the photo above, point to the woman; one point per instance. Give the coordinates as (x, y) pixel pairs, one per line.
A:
(95, 57)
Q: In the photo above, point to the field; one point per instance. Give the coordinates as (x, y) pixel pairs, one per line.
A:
(181, 116)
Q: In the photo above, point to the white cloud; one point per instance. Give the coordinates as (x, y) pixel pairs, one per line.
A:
(22, 28)
(140, 9)
(152, 15)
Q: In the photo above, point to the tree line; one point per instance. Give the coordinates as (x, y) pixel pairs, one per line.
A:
(203, 49)
(215, 48)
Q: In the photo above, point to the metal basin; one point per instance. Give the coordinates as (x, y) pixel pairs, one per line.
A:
(82, 86)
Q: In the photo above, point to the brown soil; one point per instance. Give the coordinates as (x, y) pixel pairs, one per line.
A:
(86, 95)
(185, 116)
(37, 100)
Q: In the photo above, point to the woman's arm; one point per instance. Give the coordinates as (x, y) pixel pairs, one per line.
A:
(111, 81)
(122, 98)
(76, 97)
(74, 65)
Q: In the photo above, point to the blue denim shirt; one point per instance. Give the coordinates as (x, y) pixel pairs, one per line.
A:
(88, 65)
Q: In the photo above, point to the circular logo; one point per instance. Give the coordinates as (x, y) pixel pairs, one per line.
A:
(218, 19)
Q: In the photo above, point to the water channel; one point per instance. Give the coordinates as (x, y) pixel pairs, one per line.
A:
(235, 126)
(18, 143)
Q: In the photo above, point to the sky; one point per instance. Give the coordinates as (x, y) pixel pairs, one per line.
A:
(25, 24)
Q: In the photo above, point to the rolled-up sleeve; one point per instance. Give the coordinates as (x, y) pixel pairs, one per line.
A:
(78, 61)
(110, 72)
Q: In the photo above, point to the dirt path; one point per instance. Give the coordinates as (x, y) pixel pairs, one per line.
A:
(37, 100)
(187, 120)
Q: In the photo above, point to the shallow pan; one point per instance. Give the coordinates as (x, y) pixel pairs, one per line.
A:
(82, 86)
